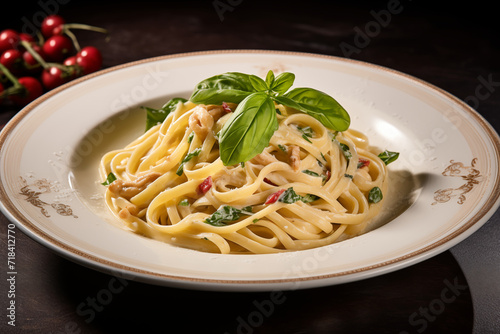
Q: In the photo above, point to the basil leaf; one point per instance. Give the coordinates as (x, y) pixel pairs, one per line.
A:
(375, 195)
(110, 179)
(283, 82)
(156, 116)
(387, 156)
(249, 129)
(223, 215)
(228, 87)
(258, 84)
(270, 79)
(319, 105)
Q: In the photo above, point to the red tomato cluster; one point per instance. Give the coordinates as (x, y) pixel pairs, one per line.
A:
(31, 66)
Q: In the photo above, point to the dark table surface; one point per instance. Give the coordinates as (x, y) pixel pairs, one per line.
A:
(452, 46)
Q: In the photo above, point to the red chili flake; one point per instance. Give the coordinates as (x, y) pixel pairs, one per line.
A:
(274, 196)
(363, 162)
(328, 175)
(226, 107)
(266, 180)
(205, 185)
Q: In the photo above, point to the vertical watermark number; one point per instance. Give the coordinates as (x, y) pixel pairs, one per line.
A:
(11, 274)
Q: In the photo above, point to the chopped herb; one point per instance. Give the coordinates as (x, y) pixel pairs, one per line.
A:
(205, 238)
(323, 156)
(309, 198)
(184, 202)
(110, 179)
(307, 132)
(349, 176)
(310, 172)
(191, 136)
(278, 111)
(346, 151)
(375, 195)
(307, 139)
(388, 156)
(282, 147)
(188, 157)
(225, 214)
(289, 196)
(255, 220)
(247, 210)
(242, 164)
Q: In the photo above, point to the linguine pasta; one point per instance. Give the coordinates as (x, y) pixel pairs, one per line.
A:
(310, 186)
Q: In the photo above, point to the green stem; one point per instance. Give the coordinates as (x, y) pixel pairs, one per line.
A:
(41, 61)
(84, 27)
(16, 87)
(10, 76)
(72, 36)
(35, 54)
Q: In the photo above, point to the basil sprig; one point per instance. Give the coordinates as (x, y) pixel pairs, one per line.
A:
(251, 126)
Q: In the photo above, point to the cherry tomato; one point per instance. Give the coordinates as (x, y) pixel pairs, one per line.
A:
(70, 61)
(89, 59)
(31, 64)
(53, 77)
(27, 37)
(13, 60)
(9, 39)
(57, 48)
(32, 90)
(51, 23)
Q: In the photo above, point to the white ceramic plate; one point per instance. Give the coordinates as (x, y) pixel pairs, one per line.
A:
(445, 183)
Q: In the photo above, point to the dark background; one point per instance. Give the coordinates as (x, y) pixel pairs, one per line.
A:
(452, 45)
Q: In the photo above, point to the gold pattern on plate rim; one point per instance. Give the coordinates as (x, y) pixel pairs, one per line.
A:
(38, 187)
(469, 174)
